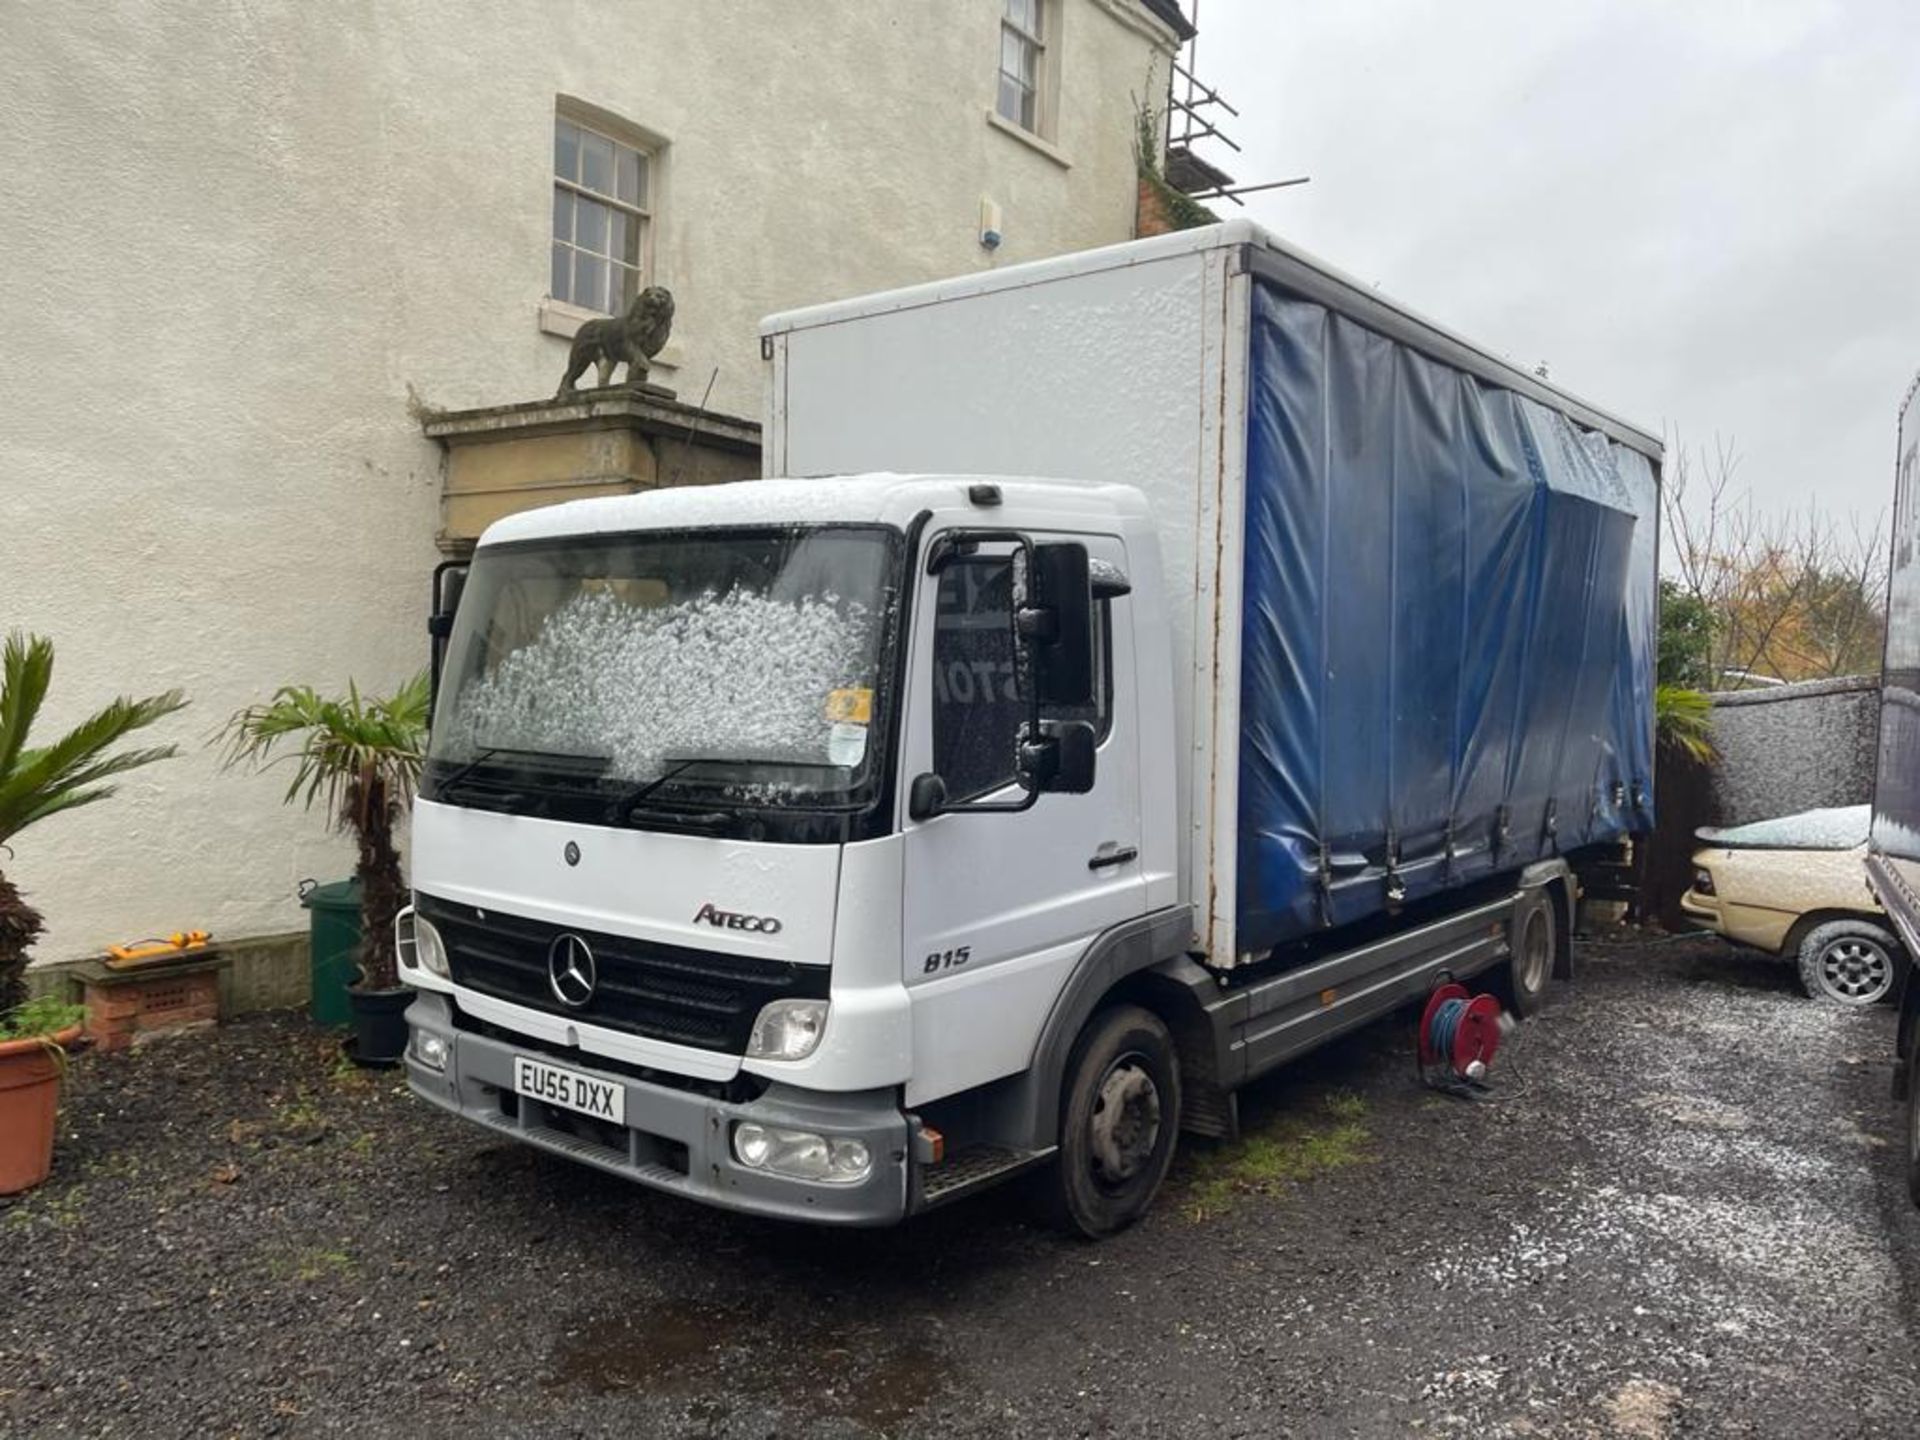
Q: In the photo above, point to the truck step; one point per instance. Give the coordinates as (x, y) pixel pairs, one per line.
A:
(972, 1169)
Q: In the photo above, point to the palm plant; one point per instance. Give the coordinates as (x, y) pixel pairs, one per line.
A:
(360, 756)
(39, 781)
(1683, 720)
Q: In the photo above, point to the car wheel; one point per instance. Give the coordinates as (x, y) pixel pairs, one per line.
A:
(1119, 1119)
(1850, 962)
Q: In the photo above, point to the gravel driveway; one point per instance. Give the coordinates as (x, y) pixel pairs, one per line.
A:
(1679, 1215)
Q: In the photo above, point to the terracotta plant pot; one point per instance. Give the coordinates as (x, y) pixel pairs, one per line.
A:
(30, 1072)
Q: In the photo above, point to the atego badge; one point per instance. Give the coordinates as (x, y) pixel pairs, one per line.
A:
(734, 920)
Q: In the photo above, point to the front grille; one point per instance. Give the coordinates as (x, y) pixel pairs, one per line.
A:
(664, 992)
(740, 1090)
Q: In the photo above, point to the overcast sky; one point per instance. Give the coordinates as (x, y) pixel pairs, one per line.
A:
(1704, 216)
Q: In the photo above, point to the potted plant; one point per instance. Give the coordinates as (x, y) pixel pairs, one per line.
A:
(35, 783)
(360, 757)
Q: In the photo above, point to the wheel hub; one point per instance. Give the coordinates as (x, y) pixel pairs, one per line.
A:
(1125, 1125)
(1855, 971)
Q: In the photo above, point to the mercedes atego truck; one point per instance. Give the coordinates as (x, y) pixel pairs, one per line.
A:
(1177, 655)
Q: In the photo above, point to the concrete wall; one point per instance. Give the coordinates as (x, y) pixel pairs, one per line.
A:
(244, 245)
(1794, 747)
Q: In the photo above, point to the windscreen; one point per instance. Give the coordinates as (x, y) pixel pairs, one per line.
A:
(742, 665)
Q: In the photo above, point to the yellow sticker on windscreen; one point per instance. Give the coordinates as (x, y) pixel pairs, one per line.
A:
(851, 706)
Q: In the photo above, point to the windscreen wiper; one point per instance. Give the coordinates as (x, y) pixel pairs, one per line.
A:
(622, 808)
(490, 752)
(480, 757)
(509, 799)
(506, 801)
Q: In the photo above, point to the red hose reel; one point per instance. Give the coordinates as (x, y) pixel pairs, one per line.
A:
(1459, 1034)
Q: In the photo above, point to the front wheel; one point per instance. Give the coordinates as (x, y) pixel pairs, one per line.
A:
(1119, 1119)
(1850, 962)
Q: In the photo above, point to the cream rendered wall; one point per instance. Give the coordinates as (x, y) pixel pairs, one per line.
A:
(239, 243)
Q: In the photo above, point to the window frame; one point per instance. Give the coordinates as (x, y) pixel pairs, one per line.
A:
(641, 213)
(1037, 41)
(1102, 706)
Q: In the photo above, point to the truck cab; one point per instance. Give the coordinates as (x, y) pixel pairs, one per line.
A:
(762, 823)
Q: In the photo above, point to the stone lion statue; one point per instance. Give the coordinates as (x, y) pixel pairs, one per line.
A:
(632, 339)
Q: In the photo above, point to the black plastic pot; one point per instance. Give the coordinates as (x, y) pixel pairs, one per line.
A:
(379, 1038)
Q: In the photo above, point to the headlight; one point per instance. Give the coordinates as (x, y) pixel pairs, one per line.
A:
(430, 1049)
(801, 1154)
(787, 1030)
(432, 949)
(1702, 880)
(419, 945)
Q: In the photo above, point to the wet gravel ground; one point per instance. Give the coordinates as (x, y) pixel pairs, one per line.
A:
(1680, 1214)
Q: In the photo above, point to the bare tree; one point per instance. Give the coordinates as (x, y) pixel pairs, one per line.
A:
(1793, 595)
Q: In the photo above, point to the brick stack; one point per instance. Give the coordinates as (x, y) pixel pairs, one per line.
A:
(128, 1007)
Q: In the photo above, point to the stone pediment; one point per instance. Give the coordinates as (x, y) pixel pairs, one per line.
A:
(502, 459)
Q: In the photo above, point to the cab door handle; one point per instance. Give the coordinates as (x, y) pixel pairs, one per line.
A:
(1104, 858)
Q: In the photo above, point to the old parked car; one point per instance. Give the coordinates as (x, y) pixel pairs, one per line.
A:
(1796, 887)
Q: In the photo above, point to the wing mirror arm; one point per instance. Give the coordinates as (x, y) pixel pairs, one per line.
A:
(449, 580)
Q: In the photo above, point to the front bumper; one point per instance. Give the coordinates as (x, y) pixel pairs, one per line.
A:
(673, 1140)
(1760, 926)
(1704, 908)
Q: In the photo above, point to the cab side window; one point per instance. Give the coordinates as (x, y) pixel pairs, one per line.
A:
(977, 710)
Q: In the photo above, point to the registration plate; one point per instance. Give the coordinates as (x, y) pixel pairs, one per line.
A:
(570, 1090)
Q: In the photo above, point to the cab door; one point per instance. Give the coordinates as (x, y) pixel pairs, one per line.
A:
(998, 907)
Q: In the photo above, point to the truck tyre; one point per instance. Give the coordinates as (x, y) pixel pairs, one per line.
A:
(1119, 1120)
(1529, 969)
(1850, 962)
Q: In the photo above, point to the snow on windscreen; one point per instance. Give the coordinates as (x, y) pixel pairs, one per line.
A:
(736, 675)
(1839, 828)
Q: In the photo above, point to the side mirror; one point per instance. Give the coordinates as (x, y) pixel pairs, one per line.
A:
(449, 580)
(1059, 760)
(1055, 623)
(926, 797)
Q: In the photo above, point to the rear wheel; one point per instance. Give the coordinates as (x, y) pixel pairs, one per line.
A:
(1850, 962)
(1530, 968)
(1119, 1119)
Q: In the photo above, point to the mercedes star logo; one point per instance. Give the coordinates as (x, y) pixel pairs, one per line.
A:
(570, 970)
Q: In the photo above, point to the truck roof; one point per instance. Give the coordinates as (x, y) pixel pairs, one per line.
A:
(877, 497)
(1273, 258)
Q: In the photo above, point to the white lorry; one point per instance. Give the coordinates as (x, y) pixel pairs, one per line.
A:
(829, 848)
